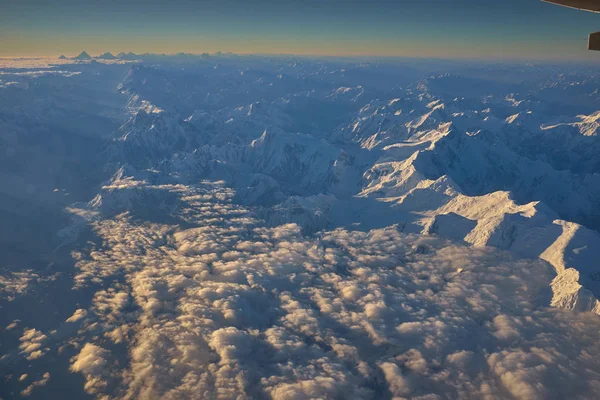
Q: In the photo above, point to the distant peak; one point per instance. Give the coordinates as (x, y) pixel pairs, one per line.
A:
(107, 56)
(83, 56)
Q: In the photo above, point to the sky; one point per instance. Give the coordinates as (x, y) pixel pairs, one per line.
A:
(471, 29)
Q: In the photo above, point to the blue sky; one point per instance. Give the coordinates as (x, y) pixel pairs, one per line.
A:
(502, 29)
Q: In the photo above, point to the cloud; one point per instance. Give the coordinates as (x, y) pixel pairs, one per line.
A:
(93, 364)
(397, 384)
(42, 382)
(80, 313)
(182, 292)
(12, 325)
(17, 283)
(32, 344)
(230, 309)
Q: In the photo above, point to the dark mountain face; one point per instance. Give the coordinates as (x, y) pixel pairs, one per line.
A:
(83, 56)
(107, 56)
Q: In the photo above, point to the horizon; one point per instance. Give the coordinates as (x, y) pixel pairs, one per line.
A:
(466, 29)
(368, 58)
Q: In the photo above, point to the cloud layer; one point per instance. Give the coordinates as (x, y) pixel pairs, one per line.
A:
(228, 308)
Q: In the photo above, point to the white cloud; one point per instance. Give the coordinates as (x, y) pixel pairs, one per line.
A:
(42, 382)
(93, 364)
(32, 344)
(12, 325)
(17, 283)
(396, 382)
(80, 313)
(229, 309)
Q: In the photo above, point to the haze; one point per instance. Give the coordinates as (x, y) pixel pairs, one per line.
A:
(508, 29)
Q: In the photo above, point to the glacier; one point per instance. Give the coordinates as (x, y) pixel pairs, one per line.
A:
(226, 226)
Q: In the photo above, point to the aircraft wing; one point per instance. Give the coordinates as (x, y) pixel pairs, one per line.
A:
(587, 5)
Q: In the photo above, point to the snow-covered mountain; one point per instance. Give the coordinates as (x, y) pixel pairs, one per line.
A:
(231, 226)
(483, 168)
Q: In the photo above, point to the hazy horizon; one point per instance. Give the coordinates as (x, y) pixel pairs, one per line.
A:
(70, 56)
(465, 29)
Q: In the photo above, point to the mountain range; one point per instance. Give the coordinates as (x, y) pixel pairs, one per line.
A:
(283, 227)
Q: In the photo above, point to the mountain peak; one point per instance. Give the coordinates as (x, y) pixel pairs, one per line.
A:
(107, 56)
(83, 56)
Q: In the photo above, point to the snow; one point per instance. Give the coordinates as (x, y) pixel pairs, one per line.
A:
(280, 227)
